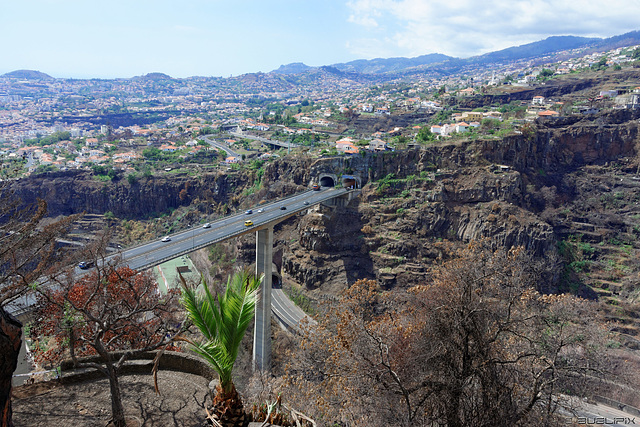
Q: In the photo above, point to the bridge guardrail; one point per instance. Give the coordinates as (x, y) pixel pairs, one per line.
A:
(220, 239)
(239, 214)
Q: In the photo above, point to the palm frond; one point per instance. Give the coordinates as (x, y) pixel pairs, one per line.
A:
(222, 321)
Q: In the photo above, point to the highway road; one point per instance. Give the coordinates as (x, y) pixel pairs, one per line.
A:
(219, 146)
(286, 311)
(265, 140)
(156, 252)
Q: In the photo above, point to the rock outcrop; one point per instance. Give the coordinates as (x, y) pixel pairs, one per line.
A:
(73, 192)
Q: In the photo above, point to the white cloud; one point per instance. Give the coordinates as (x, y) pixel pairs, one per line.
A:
(465, 28)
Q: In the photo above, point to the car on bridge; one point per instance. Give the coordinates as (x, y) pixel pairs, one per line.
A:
(248, 223)
(315, 187)
(248, 212)
(207, 225)
(283, 208)
(166, 239)
(260, 210)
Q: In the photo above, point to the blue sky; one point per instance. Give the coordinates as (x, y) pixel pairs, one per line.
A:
(126, 38)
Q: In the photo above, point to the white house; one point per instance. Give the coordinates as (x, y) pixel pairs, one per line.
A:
(537, 100)
(461, 127)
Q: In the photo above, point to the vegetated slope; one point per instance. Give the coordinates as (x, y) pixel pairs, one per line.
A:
(535, 49)
(390, 65)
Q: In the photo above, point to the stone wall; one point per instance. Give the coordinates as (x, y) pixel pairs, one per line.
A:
(142, 364)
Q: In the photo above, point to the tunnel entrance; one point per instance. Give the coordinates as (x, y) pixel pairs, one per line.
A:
(327, 181)
(276, 277)
(276, 283)
(350, 181)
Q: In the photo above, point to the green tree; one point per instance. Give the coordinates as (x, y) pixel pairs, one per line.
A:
(99, 170)
(441, 116)
(132, 178)
(223, 321)
(152, 153)
(425, 135)
(545, 74)
(490, 124)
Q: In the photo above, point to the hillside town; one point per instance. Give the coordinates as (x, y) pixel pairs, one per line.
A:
(56, 124)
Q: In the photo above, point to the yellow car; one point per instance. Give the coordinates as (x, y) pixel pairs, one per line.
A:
(248, 223)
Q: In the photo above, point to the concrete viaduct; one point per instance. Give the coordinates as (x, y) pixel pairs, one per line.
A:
(153, 253)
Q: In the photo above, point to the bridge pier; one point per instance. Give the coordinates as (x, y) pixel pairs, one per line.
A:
(262, 330)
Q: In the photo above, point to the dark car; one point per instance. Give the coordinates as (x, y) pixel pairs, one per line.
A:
(248, 212)
(282, 208)
(84, 265)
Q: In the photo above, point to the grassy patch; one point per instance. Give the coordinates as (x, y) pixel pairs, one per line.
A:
(301, 300)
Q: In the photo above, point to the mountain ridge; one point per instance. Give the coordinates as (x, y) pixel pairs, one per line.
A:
(548, 46)
(433, 61)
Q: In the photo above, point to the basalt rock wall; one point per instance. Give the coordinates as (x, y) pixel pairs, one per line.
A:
(73, 192)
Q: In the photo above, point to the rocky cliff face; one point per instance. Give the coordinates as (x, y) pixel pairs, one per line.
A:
(457, 192)
(67, 193)
(562, 148)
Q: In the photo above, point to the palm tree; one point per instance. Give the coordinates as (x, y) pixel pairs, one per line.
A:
(223, 321)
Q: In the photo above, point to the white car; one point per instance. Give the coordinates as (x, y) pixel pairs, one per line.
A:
(207, 225)
(260, 210)
(166, 239)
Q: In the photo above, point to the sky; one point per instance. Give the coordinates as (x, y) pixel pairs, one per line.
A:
(127, 38)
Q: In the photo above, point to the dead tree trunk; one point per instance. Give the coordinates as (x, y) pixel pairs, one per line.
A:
(10, 342)
(117, 410)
